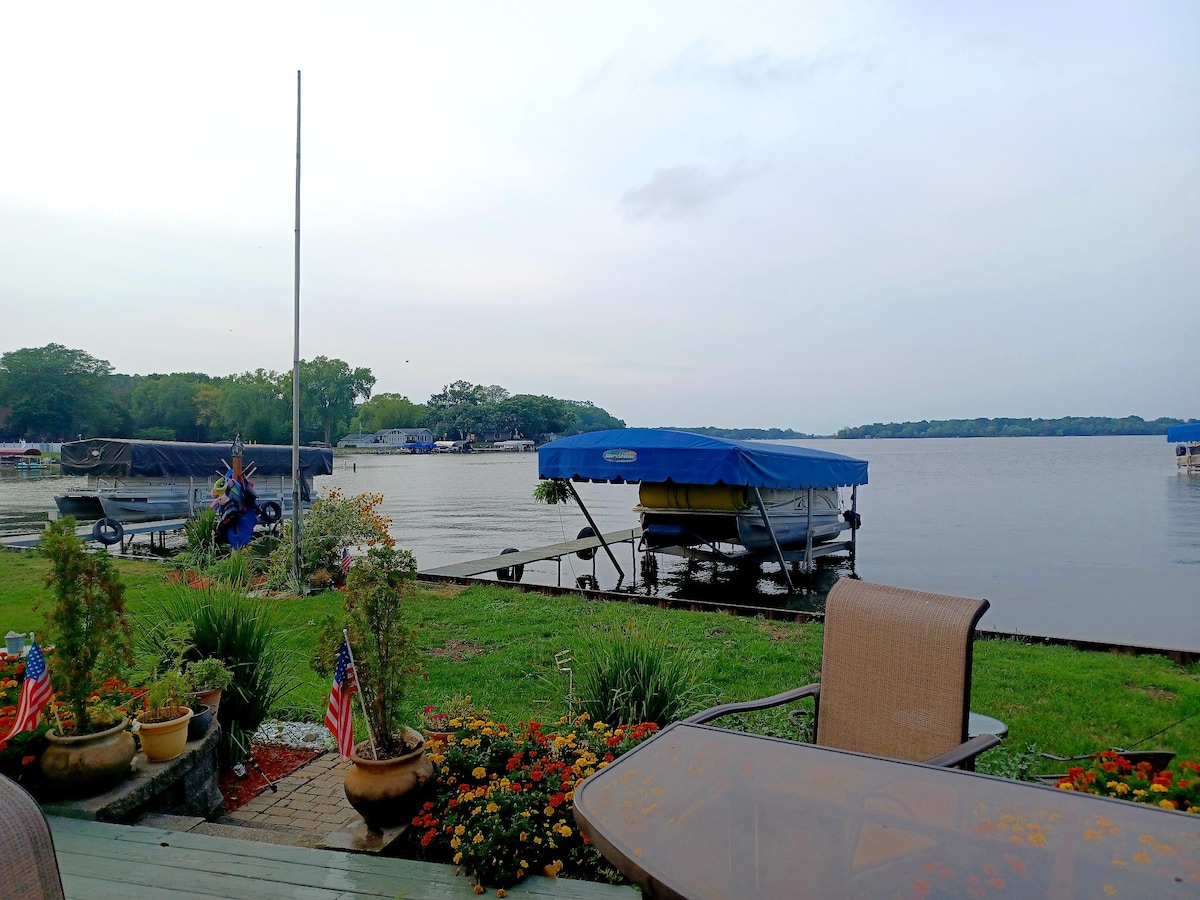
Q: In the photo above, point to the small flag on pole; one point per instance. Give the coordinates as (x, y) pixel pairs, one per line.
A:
(337, 716)
(35, 691)
(346, 560)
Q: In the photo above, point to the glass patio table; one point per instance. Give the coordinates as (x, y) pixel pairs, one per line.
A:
(702, 812)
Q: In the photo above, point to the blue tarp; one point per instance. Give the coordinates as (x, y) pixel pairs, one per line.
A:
(647, 454)
(1177, 434)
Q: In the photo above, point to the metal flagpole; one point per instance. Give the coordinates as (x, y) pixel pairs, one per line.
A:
(296, 368)
(361, 701)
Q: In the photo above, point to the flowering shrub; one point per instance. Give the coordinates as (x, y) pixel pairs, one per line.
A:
(334, 523)
(503, 799)
(1111, 775)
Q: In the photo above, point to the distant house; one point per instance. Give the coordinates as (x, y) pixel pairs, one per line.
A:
(401, 437)
(390, 437)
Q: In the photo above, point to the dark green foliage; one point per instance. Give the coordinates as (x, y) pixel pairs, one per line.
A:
(244, 634)
(87, 620)
(625, 674)
(1069, 425)
(381, 584)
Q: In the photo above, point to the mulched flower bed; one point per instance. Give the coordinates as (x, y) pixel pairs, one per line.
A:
(275, 760)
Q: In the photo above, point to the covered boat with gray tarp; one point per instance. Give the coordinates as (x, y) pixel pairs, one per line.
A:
(694, 491)
(143, 481)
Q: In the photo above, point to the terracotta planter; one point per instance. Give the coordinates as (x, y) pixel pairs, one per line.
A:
(438, 737)
(162, 741)
(388, 792)
(209, 698)
(86, 765)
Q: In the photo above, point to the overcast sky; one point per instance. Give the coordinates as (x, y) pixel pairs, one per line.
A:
(792, 214)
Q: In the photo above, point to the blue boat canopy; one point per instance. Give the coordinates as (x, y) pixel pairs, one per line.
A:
(648, 454)
(1177, 434)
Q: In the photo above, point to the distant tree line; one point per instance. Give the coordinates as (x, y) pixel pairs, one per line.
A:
(746, 434)
(56, 393)
(1070, 425)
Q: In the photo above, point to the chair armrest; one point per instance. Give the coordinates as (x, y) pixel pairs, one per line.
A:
(725, 709)
(964, 752)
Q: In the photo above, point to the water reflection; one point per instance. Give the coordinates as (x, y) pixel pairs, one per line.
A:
(1183, 517)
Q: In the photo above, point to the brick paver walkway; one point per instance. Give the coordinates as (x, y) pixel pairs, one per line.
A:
(310, 799)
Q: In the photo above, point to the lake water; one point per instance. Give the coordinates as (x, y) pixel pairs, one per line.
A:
(1092, 538)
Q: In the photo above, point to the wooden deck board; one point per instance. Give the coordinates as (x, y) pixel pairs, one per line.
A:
(99, 860)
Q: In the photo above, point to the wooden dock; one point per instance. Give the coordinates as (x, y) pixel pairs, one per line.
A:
(99, 861)
(524, 557)
(33, 538)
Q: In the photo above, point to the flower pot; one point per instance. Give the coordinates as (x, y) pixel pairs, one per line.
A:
(209, 698)
(388, 792)
(85, 765)
(162, 741)
(438, 737)
(200, 722)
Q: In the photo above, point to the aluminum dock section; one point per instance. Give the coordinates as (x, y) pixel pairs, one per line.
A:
(523, 557)
(32, 539)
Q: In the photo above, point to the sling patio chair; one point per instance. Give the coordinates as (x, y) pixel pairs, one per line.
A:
(28, 866)
(895, 676)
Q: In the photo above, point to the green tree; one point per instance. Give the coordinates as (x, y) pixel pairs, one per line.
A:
(167, 403)
(54, 392)
(329, 389)
(257, 404)
(387, 411)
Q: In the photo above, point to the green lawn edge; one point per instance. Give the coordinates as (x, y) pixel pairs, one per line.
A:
(499, 645)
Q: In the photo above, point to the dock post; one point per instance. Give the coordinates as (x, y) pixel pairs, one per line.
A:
(596, 530)
(783, 566)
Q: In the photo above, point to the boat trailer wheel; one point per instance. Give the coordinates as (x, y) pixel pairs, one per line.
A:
(108, 532)
(510, 573)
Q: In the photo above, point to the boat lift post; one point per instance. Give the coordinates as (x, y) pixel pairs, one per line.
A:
(762, 508)
(595, 530)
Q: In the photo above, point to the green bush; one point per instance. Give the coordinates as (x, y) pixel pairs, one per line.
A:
(333, 524)
(87, 621)
(626, 675)
(245, 635)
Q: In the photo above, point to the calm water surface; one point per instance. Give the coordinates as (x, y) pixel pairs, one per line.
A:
(1095, 538)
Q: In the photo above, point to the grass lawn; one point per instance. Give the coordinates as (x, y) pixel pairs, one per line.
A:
(498, 645)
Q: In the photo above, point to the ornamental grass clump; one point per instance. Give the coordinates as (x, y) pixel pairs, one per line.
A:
(503, 800)
(88, 627)
(627, 675)
(1111, 775)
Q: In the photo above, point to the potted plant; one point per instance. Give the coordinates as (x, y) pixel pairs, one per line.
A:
(90, 749)
(389, 769)
(440, 725)
(207, 678)
(162, 726)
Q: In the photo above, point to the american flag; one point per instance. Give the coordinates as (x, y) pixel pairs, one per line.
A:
(337, 716)
(346, 560)
(34, 692)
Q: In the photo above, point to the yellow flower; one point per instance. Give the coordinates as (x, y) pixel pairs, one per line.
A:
(457, 858)
(1110, 890)
(492, 807)
(1167, 804)
(1158, 788)
(460, 830)
(478, 839)
(524, 865)
(478, 772)
(1093, 835)
(1037, 839)
(455, 843)
(1141, 858)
